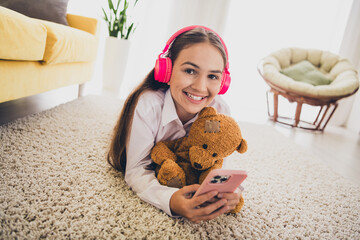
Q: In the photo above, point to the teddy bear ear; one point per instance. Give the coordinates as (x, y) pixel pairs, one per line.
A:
(207, 111)
(242, 147)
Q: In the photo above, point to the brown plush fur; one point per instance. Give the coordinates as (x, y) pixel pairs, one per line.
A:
(188, 160)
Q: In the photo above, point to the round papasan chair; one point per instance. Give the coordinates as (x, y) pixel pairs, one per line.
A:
(308, 76)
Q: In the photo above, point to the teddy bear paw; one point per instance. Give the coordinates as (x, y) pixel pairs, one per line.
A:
(171, 174)
(174, 182)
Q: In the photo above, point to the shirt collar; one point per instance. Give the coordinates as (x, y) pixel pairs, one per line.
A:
(169, 111)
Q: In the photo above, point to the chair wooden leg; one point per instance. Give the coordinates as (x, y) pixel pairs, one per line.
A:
(297, 114)
(323, 116)
(328, 119)
(276, 98)
(317, 117)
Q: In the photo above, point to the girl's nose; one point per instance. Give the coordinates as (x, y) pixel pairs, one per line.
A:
(200, 83)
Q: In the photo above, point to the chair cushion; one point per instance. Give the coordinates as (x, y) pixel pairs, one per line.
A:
(21, 38)
(304, 71)
(50, 10)
(66, 44)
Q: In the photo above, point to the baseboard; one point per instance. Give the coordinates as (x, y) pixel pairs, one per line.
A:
(18, 108)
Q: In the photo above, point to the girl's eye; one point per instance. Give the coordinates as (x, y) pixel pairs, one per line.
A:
(190, 71)
(213, 77)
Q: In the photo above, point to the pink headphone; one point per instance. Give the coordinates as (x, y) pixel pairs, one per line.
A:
(163, 66)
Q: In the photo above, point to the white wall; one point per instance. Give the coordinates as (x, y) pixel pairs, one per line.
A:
(251, 30)
(258, 27)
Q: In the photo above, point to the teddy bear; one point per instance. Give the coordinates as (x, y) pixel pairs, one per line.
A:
(189, 159)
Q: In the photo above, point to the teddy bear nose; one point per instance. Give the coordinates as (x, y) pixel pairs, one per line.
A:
(197, 165)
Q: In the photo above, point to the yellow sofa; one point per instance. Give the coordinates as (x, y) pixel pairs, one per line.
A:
(37, 56)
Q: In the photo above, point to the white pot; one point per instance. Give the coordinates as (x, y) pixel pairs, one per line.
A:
(115, 59)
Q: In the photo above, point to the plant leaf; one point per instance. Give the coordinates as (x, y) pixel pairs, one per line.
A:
(129, 30)
(117, 19)
(111, 6)
(118, 4)
(105, 15)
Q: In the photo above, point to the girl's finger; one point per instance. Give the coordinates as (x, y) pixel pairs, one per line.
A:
(233, 203)
(229, 196)
(198, 200)
(189, 189)
(209, 209)
(217, 212)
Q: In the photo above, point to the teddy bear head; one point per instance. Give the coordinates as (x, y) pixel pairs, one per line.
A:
(213, 137)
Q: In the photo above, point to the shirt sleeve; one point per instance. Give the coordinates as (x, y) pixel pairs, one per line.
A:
(138, 148)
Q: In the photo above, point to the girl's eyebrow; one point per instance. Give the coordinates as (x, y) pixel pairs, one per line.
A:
(196, 66)
(192, 64)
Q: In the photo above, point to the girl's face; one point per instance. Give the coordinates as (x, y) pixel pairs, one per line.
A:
(195, 79)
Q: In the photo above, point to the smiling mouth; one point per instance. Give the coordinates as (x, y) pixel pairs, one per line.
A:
(193, 97)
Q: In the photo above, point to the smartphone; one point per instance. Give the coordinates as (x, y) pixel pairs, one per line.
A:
(222, 180)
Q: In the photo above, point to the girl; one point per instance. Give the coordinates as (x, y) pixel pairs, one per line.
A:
(188, 75)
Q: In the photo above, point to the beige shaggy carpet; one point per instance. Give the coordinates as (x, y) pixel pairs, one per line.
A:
(56, 184)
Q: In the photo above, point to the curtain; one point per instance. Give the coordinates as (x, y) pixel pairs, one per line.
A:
(348, 112)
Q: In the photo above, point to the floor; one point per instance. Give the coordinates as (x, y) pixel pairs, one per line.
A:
(336, 146)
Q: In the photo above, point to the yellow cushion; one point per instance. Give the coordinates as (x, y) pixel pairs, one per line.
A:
(66, 44)
(21, 38)
(25, 78)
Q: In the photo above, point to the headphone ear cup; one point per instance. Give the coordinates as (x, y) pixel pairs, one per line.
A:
(163, 67)
(225, 82)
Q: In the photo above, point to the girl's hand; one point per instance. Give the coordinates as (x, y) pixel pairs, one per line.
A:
(182, 204)
(232, 198)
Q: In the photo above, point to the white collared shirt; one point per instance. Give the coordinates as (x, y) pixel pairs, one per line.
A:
(155, 119)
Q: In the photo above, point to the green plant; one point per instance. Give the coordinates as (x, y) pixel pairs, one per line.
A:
(117, 19)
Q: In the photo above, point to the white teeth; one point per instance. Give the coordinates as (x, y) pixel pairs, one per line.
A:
(194, 97)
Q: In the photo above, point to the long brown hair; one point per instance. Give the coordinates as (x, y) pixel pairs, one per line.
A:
(117, 153)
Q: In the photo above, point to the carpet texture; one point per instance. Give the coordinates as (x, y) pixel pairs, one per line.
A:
(56, 183)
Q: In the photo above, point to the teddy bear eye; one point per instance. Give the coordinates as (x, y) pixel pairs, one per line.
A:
(205, 146)
(214, 154)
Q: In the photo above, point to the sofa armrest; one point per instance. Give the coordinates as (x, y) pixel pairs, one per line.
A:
(86, 24)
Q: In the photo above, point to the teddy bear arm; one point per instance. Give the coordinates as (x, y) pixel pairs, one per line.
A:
(192, 175)
(162, 152)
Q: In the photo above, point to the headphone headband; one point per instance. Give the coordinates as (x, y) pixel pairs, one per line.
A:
(185, 29)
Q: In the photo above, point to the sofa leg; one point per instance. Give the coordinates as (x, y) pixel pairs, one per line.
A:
(81, 90)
